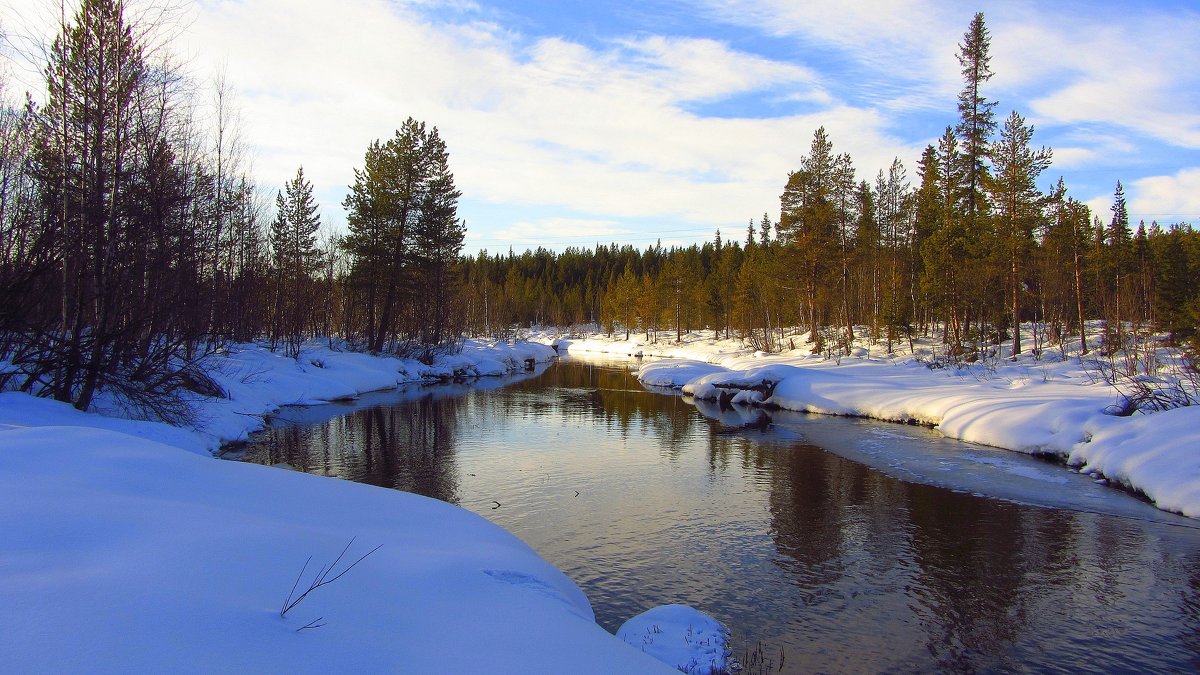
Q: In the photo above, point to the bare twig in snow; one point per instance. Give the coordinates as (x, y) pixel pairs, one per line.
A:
(322, 578)
(315, 623)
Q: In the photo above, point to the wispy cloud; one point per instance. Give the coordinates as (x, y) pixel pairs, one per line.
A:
(898, 51)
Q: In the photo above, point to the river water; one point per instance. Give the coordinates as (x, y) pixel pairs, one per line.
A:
(824, 544)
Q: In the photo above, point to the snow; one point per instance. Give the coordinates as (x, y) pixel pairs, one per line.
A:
(127, 547)
(121, 553)
(685, 638)
(259, 382)
(1052, 405)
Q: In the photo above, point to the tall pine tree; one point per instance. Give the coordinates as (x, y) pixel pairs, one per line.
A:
(977, 120)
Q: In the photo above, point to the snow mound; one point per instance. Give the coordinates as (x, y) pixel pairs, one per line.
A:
(682, 637)
(671, 373)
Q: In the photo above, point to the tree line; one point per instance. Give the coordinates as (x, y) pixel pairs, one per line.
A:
(133, 241)
(975, 248)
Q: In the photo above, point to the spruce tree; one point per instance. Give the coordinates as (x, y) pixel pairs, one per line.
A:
(1118, 263)
(764, 230)
(927, 210)
(949, 252)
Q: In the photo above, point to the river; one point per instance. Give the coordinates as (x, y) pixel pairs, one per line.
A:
(824, 544)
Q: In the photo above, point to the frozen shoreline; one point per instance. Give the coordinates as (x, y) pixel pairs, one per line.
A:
(1050, 406)
(127, 547)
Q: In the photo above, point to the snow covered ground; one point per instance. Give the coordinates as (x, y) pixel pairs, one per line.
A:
(1051, 405)
(127, 547)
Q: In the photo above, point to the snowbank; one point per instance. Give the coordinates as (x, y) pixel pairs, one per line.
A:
(258, 382)
(1052, 405)
(124, 554)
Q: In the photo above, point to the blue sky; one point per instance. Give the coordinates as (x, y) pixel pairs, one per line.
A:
(575, 122)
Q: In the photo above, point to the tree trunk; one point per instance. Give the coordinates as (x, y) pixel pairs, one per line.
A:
(1016, 306)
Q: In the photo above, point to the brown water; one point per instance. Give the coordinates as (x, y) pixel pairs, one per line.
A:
(831, 565)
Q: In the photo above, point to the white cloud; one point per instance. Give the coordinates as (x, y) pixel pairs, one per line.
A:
(686, 69)
(1136, 72)
(1061, 64)
(557, 230)
(1071, 157)
(876, 31)
(1087, 148)
(1167, 199)
(594, 130)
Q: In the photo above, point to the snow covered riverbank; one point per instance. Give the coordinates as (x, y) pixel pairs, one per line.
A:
(258, 382)
(1052, 405)
(127, 547)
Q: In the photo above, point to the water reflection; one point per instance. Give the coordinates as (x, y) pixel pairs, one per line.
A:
(406, 443)
(645, 499)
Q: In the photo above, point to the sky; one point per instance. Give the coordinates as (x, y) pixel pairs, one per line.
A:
(571, 123)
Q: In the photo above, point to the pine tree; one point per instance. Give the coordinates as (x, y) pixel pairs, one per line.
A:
(868, 241)
(1119, 236)
(813, 217)
(620, 302)
(1019, 203)
(437, 242)
(403, 251)
(295, 258)
(125, 211)
(1118, 264)
(976, 116)
(1064, 252)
